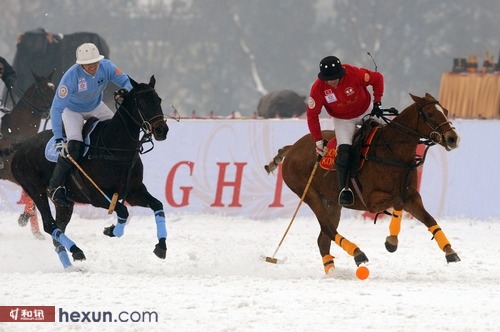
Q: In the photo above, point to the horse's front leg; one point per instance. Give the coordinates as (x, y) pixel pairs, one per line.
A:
(161, 224)
(391, 242)
(161, 232)
(379, 201)
(119, 229)
(62, 242)
(142, 198)
(63, 255)
(416, 208)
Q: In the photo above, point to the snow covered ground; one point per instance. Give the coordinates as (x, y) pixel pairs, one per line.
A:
(214, 280)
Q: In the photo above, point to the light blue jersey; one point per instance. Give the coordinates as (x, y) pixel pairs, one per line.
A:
(81, 92)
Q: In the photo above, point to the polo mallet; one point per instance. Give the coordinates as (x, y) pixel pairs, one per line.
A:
(272, 259)
(112, 201)
(176, 116)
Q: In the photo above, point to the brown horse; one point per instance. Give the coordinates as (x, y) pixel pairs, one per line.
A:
(387, 179)
(21, 123)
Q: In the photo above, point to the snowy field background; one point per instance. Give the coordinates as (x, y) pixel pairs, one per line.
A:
(213, 279)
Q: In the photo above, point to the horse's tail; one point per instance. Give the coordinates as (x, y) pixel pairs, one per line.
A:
(277, 159)
(5, 152)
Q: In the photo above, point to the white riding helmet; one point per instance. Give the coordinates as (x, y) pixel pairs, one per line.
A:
(87, 53)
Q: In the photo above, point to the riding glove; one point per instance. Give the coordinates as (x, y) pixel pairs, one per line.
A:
(376, 111)
(120, 94)
(320, 149)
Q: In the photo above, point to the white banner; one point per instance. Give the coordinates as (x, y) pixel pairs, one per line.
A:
(217, 167)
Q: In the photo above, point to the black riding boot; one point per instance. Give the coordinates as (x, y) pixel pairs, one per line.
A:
(56, 190)
(342, 163)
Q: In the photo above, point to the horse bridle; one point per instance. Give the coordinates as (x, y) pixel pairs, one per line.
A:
(146, 125)
(436, 135)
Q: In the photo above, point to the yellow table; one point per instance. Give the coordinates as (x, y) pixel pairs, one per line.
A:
(471, 95)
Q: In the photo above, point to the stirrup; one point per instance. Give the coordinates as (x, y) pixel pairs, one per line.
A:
(346, 197)
(58, 195)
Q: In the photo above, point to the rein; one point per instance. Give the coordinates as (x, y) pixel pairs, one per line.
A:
(434, 138)
(145, 125)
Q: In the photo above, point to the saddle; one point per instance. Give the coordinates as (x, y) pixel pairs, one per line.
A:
(50, 149)
(360, 147)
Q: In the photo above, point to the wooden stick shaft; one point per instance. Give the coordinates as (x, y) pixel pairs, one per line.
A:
(298, 206)
(87, 176)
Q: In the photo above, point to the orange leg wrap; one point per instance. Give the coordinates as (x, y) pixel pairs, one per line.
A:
(29, 208)
(395, 225)
(34, 224)
(328, 263)
(345, 244)
(438, 235)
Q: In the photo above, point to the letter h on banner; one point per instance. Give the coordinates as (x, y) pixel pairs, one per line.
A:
(236, 184)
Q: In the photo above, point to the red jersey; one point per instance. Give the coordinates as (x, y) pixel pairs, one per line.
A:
(348, 100)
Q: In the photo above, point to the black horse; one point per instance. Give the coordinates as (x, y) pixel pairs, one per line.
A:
(22, 122)
(111, 165)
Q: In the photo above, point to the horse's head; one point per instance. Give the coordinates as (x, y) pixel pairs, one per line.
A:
(40, 94)
(433, 122)
(145, 100)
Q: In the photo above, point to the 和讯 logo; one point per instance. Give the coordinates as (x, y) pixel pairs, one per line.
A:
(27, 314)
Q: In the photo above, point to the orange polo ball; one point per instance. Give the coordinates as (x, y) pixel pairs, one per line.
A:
(362, 273)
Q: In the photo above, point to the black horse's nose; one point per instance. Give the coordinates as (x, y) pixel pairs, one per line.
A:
(160, 132)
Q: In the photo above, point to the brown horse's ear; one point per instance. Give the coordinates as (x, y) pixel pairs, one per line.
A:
(152, 81)
(51, 74)
(428, 95)
(415, 98)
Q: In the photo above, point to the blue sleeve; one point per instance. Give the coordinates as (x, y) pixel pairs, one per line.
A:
(118, 77)
(61, 99)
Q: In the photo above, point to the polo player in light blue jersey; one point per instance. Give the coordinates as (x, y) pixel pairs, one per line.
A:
(79, 97)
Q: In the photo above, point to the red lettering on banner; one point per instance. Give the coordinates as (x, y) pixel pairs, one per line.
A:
(278, 189)
(170, 184)
(236, 184)
(27, 313)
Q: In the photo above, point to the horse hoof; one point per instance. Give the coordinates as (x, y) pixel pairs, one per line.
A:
(390, 247)
(109, 231)
(360, 259)
(452, 258)
(23, 219)
(329, 269)
(161, 249)
(77, 253)
(391, 243)
(38, 236)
